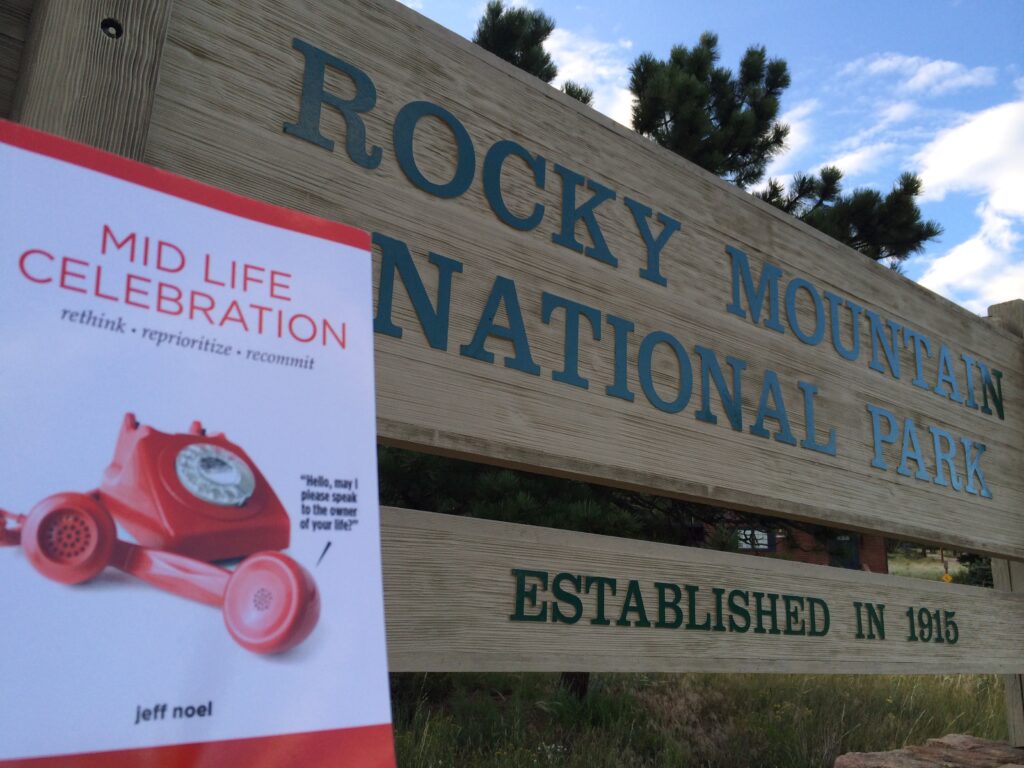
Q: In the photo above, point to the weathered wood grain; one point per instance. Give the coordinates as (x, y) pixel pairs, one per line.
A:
(1009, 315)
(1009, 577)
(449, 592)
(230, 80)
(81, 83)
(14, 22)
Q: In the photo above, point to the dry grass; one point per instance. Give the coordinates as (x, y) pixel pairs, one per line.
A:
(711, 721)
(926, 567)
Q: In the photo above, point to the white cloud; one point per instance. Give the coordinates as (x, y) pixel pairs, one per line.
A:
(416, 5)
(597, 64)
(984, 156)
(855, 151)
(799, 122)
(943, 76)
(617, 103)
(899, 112)
(984, 269)
(922, 75)
(800, 134)
(862, 159)
(888, 116)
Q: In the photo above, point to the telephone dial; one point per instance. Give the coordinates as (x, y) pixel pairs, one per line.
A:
(187, 499)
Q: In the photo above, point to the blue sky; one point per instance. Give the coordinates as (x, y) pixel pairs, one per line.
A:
(878, 88)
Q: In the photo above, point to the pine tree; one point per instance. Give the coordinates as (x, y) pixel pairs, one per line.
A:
(517, 35)
(885, 228)
(722, 123)
(579, 92)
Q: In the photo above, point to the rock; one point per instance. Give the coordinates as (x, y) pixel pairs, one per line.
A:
(953, 751)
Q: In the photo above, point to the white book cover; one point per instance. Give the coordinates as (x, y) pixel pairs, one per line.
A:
(191, 544)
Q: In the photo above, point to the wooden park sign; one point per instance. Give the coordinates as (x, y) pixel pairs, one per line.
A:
(557, 293)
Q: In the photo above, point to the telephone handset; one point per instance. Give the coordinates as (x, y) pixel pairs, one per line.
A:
(186, 498)
(270, 603)
(195, 494)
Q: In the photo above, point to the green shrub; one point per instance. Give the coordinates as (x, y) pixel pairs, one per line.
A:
(977, 571)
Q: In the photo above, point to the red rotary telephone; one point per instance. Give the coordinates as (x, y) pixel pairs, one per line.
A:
(189, 494)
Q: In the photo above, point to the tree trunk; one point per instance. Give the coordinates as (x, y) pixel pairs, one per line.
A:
(576, 683)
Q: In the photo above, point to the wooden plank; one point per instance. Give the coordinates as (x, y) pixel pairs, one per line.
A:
(1009, 577)
(450, 589)
(231, 79)
(1009, 315)
(85, 84)
(14, 20)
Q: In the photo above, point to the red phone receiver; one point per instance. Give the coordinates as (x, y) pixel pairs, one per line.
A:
(270, 602)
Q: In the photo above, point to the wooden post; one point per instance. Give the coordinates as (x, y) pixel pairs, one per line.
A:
(89, 71)
(1009, 575)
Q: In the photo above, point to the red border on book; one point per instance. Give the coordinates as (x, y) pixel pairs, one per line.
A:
(370, 746)
(169, 183)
